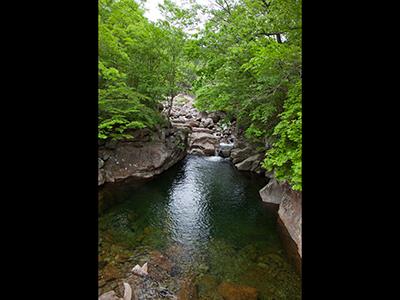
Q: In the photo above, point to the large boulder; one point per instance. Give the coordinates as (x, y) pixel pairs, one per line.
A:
(251, 163)
(144, 159)
(202, 137)
(240, 154)
(225, 149)
(207, 123)
(206, 142)
(216, 115)
(290, 212)
(207, 149)
(272, 192)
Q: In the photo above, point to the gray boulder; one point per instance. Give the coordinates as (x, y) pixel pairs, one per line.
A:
(272, 192)
(143, 159)
(250, 163)
(240, 154)
(206, 142)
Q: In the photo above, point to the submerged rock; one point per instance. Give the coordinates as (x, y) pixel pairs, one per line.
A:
(230, 291)
(188, 290)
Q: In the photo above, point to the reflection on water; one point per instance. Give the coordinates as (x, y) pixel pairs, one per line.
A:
(211, 216)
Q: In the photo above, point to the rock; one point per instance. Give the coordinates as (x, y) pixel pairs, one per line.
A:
(216, 116)
(142, 160)
(200, 129)
(207, 285)
(109, 296)
(188, 290)
(140, 271)
(101, 178)
(290, 213)
(193, 123)
(202, 137)
(230, 291)
(272, 192)
(196, 151)
(208, 149)
(225, 149)
(225, 153)
(204, 141)
(111, 144)
(269, 174)
(203, 115)
(207, 123)
(144, 268)
(240, 154)
(160, 261)
(250, 163)
(101, 162)
(127, 291)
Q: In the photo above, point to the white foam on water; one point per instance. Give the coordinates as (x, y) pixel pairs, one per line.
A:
(226, 145)
(214, 158)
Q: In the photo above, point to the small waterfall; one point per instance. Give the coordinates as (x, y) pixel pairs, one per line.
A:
(224, 149)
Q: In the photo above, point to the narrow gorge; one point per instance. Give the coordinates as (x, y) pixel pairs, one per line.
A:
(193, 140)
(200, 149)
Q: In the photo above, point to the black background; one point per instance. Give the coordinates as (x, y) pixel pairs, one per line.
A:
(50, 139)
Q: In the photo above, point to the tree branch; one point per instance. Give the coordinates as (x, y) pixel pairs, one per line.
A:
(278, 32)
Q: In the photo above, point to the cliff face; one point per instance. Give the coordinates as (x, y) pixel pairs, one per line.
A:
(290, 212)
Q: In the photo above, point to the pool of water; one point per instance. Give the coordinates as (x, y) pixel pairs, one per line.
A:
(208, 218)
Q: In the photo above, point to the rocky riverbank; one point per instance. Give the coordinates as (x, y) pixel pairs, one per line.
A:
(290, 209)
(145, 156)
(150, 153)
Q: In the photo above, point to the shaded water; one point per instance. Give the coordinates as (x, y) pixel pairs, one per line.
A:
(209, 218)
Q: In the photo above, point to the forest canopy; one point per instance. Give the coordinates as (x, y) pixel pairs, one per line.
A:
(245, 61)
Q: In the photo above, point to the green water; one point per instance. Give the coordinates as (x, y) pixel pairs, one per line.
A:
(209, 219)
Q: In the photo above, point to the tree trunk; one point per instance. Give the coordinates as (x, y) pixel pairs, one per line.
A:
(171, 101)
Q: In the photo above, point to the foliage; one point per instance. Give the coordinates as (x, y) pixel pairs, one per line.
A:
(285, 155)
(249, 65)
(139, 66)
(246, 61)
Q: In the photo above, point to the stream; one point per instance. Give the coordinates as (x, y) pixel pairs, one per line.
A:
(208, 219)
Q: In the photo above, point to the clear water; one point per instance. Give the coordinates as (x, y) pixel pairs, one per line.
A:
(213, 215)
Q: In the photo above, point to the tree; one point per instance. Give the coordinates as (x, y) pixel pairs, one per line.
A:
(250, 67)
